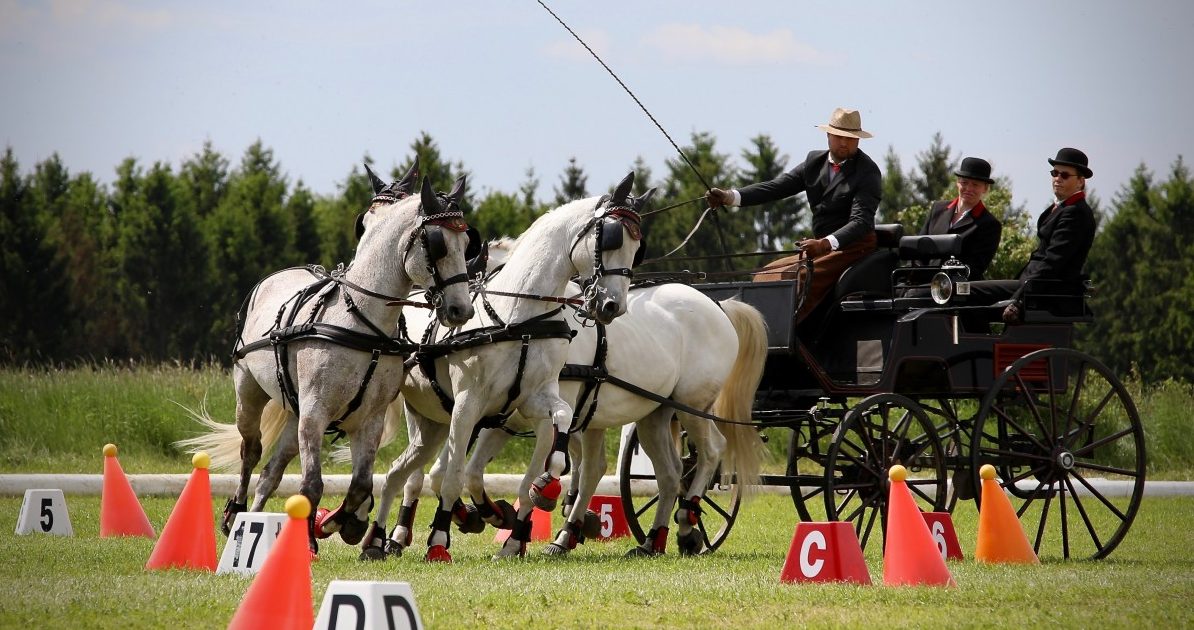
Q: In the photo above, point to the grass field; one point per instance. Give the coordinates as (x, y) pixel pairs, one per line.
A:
(89, 582)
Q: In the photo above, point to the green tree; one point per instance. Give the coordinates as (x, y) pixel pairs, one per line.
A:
(301, 207)
(642, 176)
(1142, 264)
(249, 233)
(500, 214)
(897, 190)
(204, 180)
(572, 183)
(667, 230)
(776, 223)
(934, 172)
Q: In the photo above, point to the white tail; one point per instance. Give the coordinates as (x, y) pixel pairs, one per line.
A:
(222, 441)
(744, 448)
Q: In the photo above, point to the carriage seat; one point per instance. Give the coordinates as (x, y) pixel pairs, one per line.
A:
(889, 235)
(871, 276)
(930, 246)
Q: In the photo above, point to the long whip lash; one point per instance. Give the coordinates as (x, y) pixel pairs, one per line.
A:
(637, 102)
(716, 223)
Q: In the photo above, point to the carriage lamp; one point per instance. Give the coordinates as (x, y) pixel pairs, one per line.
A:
(953, 279)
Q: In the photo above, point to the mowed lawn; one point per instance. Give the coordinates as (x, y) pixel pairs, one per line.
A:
(88, 582)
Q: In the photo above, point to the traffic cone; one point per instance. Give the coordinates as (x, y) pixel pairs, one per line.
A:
(280, 595)
(910, 556)
(1000, 535)
(540, 526)
(188, 540)
(120, 512)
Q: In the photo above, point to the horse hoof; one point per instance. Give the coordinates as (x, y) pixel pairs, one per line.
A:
(393, 548)
(352, 531)
(511, 550)
(592, 525)
(690, 544)
(471, 522)
(641, 552)
(545, 492)
(438, 553)
(325, 525)
(554, 549)
(372, 554)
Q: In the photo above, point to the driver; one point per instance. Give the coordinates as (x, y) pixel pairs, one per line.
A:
(843, 186)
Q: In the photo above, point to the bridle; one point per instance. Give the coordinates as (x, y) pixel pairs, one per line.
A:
(607, 224)
(430, 235)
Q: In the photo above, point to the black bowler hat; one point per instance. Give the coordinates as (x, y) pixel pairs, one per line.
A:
(1074, 158)
(975, 168)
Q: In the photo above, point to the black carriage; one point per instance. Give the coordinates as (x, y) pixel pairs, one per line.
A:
(896, 368)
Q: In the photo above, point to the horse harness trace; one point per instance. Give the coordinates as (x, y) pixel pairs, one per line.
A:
(376, 342)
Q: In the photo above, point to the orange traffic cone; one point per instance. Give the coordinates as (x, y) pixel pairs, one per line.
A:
(189, 538)
(910, 556)
(120, 512)
(1000, 536)
(280, 595)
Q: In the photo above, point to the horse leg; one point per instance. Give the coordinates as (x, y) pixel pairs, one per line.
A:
(574, 452)
(250, 401)
(515, 545)
(545, 490)
(284, 453)
(500, 513)
(351, 518)
(592, 467)
(465, 414)
(709, 445)
(655, 436)
(310, 439)
(424, 438)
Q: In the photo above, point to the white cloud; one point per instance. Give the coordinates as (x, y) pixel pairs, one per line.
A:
(731, 46)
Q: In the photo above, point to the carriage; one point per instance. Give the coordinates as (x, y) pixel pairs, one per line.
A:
(896, 368)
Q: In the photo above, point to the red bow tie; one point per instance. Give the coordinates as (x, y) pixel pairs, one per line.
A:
(837, 168)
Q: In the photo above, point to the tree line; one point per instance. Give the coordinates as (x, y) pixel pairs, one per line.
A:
(153, 266)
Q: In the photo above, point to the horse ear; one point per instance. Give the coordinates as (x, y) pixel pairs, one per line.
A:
(458, 189)
(374, 180)
(407, 183)
(642, 200)
(622, 192)
(429, 205)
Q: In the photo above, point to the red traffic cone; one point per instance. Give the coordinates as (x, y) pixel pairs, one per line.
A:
(280, 595)
(910, 555)
(825, 552)
(540, 526)
(188, 540)
(121, 513)
(1000, 536)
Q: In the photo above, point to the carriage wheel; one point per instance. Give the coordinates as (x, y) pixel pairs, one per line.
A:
(719, 503)
(878, 433)
(807, 450)
(954, 434)
(1067, 444)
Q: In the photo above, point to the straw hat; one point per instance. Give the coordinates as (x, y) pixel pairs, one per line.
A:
(845, 122)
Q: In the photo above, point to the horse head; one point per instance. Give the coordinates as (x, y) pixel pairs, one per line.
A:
(446, 244)
(614, 236)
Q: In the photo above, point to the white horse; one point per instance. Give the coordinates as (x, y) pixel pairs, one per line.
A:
(676, 343)
(319, 345)
(472, 378)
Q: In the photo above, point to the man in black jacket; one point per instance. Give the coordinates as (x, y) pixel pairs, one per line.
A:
(1065, 233)
(843, 185)
(966, 215)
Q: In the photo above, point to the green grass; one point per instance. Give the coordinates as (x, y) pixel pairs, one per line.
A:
(88, 582)
(57, 421)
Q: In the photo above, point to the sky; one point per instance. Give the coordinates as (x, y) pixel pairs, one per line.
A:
(503, 88)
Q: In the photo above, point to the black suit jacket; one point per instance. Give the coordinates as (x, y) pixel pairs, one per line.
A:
(845, 208)
(980, 231)
(1064, 236)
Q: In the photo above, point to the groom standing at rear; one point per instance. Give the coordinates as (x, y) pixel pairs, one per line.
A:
(843, 185)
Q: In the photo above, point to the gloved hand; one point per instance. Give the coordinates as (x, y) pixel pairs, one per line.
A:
(718, 197)
(1013, 313)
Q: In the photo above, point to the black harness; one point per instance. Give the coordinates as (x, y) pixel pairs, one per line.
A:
(376, 342)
